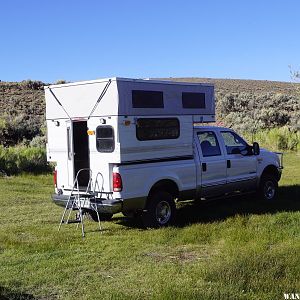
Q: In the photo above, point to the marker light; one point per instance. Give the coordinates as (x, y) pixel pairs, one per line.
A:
(127, 122)
(91, 132)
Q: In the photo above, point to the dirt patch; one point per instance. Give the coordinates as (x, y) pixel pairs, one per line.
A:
(182, 254)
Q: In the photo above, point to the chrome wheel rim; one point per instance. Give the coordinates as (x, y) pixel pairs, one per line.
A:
(269, 190)
(163, 212)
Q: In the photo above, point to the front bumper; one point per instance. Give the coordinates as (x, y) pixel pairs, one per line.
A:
(279, 172)
(105, 206)
(280, 160)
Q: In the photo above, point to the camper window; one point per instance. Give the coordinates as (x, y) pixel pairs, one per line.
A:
(147, 99)
(193, 100)
(105, 140)
(157, 129)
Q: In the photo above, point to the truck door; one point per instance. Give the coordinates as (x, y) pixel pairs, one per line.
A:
(212, 164)
(241, 163)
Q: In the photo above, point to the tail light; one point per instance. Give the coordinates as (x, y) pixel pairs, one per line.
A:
(55, 178)
(117, 182)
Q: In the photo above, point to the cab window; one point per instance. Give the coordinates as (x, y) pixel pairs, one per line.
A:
(209, 144)
(234, 143)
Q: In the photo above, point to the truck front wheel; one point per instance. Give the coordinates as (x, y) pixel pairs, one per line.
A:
(160, 210)
(268, 187)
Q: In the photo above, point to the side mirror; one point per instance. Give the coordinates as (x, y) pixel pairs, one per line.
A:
(256, 149)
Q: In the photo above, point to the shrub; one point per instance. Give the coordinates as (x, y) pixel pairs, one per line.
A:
(60, 81)
(2, 129)
(32, 84)
(17, 128)
(19, 159)
(38, 141)
(253, 111)
(277, 139)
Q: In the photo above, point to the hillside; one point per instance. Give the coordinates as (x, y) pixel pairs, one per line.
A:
(245, 86)
(242, 104)
(26, 97)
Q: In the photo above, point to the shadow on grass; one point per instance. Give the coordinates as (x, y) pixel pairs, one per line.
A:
(221, 209)
(218, 210)
(6, 294)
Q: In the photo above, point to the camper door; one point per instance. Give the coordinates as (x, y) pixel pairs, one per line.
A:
(70, 153)
(78, 152)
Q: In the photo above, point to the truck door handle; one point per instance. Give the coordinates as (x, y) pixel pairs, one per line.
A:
(228, 163)
(204, 167)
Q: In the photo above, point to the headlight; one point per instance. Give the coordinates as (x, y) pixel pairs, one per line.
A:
(280, 159)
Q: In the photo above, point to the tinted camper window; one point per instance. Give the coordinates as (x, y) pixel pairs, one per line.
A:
(147, 99)
(105, 141)
(193, 100)
(157, 129)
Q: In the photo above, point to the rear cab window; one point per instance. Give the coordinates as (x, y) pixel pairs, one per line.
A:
(209, 144)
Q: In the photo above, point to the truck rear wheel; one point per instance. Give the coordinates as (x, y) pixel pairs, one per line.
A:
(130, 214)
(268, 187)
(160, 210)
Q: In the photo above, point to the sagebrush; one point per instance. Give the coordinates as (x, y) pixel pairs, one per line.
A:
(15, 160)
(276, 139)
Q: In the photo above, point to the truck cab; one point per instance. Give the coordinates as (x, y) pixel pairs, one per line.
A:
(227, 164)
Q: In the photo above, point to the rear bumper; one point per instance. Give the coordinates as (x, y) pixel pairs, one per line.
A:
(108, 206)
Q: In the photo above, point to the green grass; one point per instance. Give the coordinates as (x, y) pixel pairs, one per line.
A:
(230, 249)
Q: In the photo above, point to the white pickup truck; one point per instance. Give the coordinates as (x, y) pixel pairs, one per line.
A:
(140, 151)
(222, 164)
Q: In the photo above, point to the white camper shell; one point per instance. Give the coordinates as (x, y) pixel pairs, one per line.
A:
(102, 124)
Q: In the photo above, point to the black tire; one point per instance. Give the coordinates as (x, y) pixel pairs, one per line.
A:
(268, 187)
(160, 210)
(103, 217)
(130, 214)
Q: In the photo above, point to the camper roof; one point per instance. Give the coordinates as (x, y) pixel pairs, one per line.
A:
(130, 97)
(100, 80)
